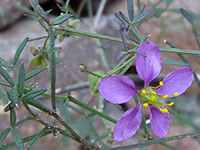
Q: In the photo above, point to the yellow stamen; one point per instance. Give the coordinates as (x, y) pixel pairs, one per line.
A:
(153, 92)
(161, 83)
(171, 104)
(164, 110)
(165, 96)
(144, 92)
(145, 104)
(176, 94)
(152, 98)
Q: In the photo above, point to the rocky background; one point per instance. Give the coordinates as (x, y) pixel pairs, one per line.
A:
(15, 27)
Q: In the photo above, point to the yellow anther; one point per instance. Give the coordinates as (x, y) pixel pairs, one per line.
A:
(171, 104)
(153, 92)
(164, 110)
(161, 83)
(144, 92)
(145, 104)
(165, 96)
(152, 98)
(175, 94)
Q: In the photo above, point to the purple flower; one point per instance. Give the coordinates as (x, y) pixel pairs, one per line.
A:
(120, 89)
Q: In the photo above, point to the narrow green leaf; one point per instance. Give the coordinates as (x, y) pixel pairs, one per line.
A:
(4, 63)
(168, 3)
(122, 19)
(13, 96)
(8, 107)
(35, 72)
(21, 80)
(174, 62)
(4, 134)
(36, 138)
(4, 96)
(36, 61)
(19, 50)
(12, 144)
(130, 9)
(17, 139)
(12, 117)
(141, 17)
(156, 141)
(33, 94)
(39, 105)
(60, 19)
(6, 76)
(187, 16)
(94, 81)
(159, 12)
(198, 21)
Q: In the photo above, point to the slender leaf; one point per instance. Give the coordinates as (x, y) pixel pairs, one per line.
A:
(174, 62)
(60, 19)
(13, 96)
(142, 16)
(159, 12)
(130, 9)
(187, 16)
(4, 134)
(156, 141)
(122, 19)
(17, 139)
(198, 21)
(4, 63)
(30, 95)
(19, 50)
(35, 72)
(36, 138)
(4, 96)
(39, 105)
(168, 3)
(21, 80)
(6, 76)
(12, 117)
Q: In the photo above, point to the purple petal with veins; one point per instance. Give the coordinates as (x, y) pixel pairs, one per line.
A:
(176, 82)
(128, 124)
(117, 89)
(149, 66)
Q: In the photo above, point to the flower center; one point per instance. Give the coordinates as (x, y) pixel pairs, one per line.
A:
(150, 97)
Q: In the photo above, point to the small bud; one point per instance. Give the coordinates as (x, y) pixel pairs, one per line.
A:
(83, 68)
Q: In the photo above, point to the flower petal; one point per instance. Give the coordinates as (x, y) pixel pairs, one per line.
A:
(160, 122)
(149, 66)
(117, 89)
(176, 82)
(128, 124)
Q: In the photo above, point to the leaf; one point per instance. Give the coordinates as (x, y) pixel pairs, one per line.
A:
(19, 50)
(94, 81)
(130, 9)
(4, 96)
(159, 11)
(34, 72)
(168, 3)
(174, 62)
(60, 19)
(6, 76)
(4, 134)
(39, 105)
(4, 63)
(12, 117)
(36, 61)
(17, 139)
(198, 21)
(33, 94)
(21, 80)
(187, 16)
(13, 96)
(36, 138)
(141, 17)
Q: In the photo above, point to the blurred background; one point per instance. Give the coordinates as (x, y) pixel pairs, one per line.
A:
(15, 25)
